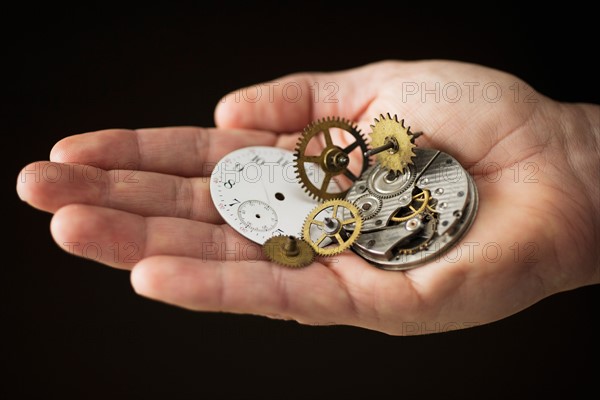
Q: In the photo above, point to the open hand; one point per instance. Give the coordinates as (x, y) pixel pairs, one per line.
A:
(139, 200)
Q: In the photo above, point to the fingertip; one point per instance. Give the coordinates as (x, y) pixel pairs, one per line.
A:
(143, 279)
(104, 235)
(27, 176)
(67, 223)
(224, 112)
(162, 278)
(34, 184)
(94, 148)
(64, 227)
(63, 149)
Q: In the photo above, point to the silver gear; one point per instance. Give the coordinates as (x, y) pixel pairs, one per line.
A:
(368, 205)
(385, 183)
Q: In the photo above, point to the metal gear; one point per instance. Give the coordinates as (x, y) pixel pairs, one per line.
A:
(289, 251)
(419, 203)
(333, 160)
(392, 142)
(368, 205)
(322, 224)
(385, 183)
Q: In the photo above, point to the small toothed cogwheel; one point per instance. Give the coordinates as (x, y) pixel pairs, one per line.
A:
(333, 160)
(323, 228)
(289, 251)
(368, 205)
(392, 142)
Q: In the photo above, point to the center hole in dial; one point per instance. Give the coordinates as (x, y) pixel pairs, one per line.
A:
(257, 215)
(279, 196)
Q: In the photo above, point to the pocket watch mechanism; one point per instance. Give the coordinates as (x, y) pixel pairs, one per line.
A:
(425, 210)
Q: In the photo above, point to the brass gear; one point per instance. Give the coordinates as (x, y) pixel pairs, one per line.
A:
(391, 133)
(333, 160)
(331, 227)
(420, 203)
(289, 251)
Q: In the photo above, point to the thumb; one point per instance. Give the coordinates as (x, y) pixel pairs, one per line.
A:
(289, 103)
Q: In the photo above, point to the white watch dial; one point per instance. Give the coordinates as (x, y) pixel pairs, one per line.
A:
(257, 192)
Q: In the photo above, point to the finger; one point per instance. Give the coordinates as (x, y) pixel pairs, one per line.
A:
(347, 290)
(185, 151)
(311, 294)
(121, 239)
(290, 103)
(49, 186)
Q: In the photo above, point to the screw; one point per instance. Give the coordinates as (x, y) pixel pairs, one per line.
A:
(342, 160)
(412, 224)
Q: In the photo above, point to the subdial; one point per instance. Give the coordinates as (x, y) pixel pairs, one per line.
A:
(257, 215)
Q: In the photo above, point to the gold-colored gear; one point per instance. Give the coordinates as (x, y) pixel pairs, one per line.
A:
(289, 251)
(399, 140)
(333, 159)
(419, 203)
(330, 226)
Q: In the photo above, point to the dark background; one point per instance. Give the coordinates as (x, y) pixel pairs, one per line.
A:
(75, 328)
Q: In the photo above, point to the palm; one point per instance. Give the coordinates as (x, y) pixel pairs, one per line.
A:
(162, 212)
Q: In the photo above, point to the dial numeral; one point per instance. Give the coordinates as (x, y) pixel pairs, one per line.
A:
(258, 160)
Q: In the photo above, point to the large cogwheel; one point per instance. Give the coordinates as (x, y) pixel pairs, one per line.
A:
(333, 160)
(397, 140)
(324, 227)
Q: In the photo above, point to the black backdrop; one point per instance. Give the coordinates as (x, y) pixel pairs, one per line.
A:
(73, 327)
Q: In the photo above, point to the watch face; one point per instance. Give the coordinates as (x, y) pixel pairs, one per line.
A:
(257, 192)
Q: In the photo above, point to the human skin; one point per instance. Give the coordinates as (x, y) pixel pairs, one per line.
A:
(539, 201)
